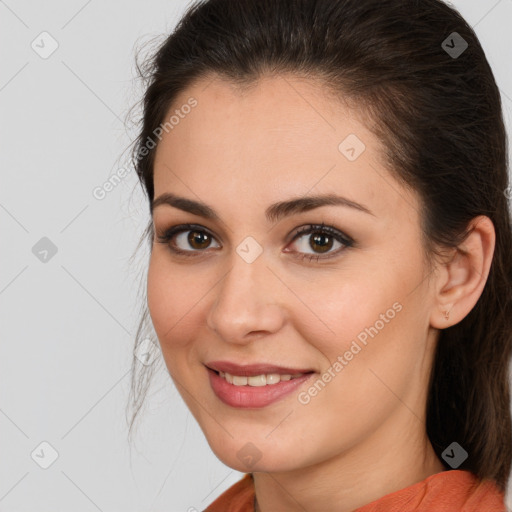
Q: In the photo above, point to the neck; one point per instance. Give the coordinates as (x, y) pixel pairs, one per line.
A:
(388, 462)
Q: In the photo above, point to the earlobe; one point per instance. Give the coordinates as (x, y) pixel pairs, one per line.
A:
(463, 277)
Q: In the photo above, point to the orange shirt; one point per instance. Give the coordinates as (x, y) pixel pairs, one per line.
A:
(447, 491)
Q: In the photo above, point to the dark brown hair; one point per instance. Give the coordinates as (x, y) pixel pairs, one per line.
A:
(439, 118)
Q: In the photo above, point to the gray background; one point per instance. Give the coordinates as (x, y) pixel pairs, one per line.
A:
(68, 324)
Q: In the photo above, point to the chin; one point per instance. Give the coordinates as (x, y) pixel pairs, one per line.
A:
(247, 456)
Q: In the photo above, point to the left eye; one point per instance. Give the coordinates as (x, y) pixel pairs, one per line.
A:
(320, 240)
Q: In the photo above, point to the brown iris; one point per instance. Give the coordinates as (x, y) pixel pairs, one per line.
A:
(200, 238)
(319, 239)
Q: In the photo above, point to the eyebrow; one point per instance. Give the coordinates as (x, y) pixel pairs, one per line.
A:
(273, 213)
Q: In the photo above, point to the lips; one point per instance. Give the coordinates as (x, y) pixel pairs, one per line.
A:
(250, 370)
(238, 385)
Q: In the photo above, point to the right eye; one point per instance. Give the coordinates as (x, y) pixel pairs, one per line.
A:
(187, 239)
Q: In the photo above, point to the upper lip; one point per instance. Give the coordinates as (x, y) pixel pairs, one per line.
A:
(249, 370)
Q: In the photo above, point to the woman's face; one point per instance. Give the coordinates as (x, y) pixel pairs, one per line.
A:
(251, 290)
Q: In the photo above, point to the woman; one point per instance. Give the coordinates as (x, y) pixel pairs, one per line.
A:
(331, 251)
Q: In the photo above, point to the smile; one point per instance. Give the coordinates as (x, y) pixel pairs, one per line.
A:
(254, 391)
(258, 380)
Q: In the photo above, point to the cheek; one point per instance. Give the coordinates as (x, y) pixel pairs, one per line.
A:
(364, 314)
(378, 333)
(340, 308)
(160, 296)
(172, 299)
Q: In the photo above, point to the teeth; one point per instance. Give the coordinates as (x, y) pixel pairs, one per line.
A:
(257, 380)
(239, 381)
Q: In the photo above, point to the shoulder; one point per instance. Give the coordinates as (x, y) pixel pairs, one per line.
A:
(238, 498)
(447, 491)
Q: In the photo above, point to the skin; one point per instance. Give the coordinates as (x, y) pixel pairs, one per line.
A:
(363, 435)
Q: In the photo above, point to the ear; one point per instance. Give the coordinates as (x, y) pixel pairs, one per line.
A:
(461, 280)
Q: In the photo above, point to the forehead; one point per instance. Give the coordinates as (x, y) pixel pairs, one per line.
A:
(282, 136)
(280, 112)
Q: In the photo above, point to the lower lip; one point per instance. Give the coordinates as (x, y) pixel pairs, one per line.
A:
(250, 397)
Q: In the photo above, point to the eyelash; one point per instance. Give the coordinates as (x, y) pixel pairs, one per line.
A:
(347, 241)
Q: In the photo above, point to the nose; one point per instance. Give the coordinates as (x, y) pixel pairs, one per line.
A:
(246, 305)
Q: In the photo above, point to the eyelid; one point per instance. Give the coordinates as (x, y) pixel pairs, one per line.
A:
(334, 232)
(180, 228)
